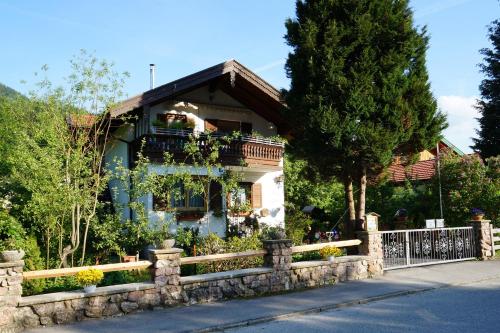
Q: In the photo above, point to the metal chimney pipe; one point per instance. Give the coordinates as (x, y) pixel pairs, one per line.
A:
(152, 70)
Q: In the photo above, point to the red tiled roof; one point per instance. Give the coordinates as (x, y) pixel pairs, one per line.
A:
(422, 170)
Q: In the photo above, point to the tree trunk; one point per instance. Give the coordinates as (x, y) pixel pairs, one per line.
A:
(47, 249)
(362, 201)
(349, 200)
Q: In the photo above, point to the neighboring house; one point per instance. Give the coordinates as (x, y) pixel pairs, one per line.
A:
(424, 169)
(224, 98)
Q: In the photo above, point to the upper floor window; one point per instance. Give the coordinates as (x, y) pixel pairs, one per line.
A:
(227, 126)
(172, 120)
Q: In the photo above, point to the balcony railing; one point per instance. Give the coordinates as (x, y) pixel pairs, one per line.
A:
(245, 149)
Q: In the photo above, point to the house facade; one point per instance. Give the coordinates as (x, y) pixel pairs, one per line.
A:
(219, 100)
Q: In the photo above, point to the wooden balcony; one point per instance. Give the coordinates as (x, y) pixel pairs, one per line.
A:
(245, 150)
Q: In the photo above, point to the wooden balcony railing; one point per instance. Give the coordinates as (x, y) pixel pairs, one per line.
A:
(245, 149)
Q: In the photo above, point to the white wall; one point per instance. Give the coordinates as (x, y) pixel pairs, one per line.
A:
(196, 106)
(116, 155)
(273, 195)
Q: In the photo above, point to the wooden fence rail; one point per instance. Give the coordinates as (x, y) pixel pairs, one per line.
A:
(50, 273)
(319, 246)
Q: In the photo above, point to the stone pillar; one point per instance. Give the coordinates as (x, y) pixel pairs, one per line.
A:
(11, 277)
(279, 258)
(371, 245)
(482, 237)
(166, 274)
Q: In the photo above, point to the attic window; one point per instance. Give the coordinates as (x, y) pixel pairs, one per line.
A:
(227, 126)
(172, 119)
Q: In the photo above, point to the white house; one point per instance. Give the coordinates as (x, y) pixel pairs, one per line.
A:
(221, 99)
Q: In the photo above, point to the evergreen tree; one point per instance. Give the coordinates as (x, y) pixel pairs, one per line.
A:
(488, 143)
(359, 90)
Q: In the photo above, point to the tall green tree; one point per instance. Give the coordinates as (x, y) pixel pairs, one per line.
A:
(488, 143)
(360, 91)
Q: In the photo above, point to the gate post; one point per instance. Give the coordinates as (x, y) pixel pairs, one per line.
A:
(279, 258)
(483, 239)
(371, 245)
(166, 271)
(11, 277)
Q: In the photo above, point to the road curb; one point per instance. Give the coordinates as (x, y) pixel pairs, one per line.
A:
(265, 319)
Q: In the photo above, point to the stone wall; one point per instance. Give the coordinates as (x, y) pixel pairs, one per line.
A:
(258, 281)
(310, 274)
(66, 307)
(168, 288)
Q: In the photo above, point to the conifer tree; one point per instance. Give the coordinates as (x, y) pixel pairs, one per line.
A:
(359, 92)
(488, 143)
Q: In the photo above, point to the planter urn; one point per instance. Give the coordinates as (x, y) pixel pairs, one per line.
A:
(89, 289)
(168, 243)
(12, 255)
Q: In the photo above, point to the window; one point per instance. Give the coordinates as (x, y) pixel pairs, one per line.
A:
(227, 126)
(172, 120)
(241, 196)
(180, 199)
(245, 197)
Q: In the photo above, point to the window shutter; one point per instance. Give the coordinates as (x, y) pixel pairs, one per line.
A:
(215, 200)
(257, 195)
(210, 125)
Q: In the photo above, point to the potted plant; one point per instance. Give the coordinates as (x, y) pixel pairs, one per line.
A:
(159, 123)
(190, 124)
(165, 238)
(10, 255)
(477, 214)
(330, 252)
(89, 278)
(273, 233)
(11, 238)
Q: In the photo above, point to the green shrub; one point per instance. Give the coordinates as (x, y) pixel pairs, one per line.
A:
(121, 277)
(297, 225)
(306, 256)
(213, 244)
(13, 236)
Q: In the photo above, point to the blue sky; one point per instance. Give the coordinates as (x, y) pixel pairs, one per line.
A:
(181, 37)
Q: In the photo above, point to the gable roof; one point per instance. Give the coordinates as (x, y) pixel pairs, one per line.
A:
(229, 76)
(421, 170)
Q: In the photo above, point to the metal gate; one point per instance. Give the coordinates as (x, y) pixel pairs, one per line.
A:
(419, 247)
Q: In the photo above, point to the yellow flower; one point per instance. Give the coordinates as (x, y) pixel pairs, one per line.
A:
(89, 277)
(328, 251)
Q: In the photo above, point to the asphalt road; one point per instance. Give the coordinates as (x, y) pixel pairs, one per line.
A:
(473, 307)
